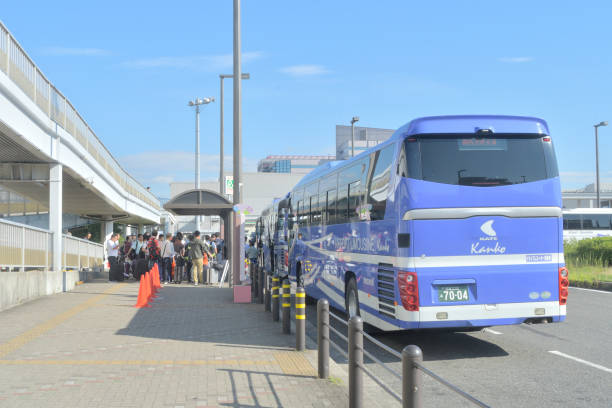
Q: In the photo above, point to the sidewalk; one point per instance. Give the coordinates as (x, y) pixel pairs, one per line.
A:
(193, 348)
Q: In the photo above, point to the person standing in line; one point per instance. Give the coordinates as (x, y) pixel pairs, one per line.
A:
(126, 252)
(153, 250)
(88, 236)
(139, 247)
(219, 244)
(179, 253)
(188, 263)
(167, 254)
(196, 253)
(112, 251)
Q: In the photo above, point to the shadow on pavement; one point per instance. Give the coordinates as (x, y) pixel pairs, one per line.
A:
(436, 344)
(206, 314)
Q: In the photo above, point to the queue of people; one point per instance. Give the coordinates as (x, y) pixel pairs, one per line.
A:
(178, 257)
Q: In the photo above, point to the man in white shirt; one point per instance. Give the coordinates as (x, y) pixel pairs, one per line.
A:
(167, 254)
(112, 251)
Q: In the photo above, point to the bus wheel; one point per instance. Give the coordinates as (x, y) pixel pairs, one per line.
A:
(351, 300)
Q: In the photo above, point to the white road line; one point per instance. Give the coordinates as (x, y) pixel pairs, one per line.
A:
(599, 367)
(591, 290)
(492, 331)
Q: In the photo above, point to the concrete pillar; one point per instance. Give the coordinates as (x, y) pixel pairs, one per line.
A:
(140, 228)
(55, 213)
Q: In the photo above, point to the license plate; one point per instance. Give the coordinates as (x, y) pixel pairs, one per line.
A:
(453, 293)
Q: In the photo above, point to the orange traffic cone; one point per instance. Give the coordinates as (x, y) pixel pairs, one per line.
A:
(142, 300)
(150, 286)
(156, 280)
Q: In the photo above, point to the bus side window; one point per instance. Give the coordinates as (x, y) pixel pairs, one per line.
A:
(378, 185)
(571, 222)
(342, 204)
(331, 207)
(354, 198)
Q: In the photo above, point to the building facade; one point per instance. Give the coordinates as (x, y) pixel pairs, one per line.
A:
(364, 139)
(587, 197)
(292, 164)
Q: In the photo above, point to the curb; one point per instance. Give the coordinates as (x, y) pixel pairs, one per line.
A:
(607, 286)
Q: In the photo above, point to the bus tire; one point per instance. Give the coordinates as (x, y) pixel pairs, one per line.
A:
(351, 299)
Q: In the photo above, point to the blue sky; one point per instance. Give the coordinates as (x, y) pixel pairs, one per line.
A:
(131, 67)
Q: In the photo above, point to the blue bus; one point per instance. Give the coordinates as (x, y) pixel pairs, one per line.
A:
(454, 222)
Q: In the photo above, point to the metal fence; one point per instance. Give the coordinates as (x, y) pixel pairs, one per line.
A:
(20, 68)
(29, 248)
(411, 358)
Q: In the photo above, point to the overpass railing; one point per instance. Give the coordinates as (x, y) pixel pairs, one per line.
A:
(23, 247)
(20, 68)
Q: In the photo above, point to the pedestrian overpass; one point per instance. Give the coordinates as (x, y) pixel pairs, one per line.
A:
(52, 157)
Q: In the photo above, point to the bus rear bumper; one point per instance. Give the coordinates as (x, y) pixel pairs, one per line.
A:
(490, 315)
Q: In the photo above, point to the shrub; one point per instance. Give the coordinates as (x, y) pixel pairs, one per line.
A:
(593, 251)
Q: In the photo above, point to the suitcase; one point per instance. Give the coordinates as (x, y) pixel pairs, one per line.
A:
(116, 272)
(140, 268)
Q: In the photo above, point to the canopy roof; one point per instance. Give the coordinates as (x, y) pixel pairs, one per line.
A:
(199, 202)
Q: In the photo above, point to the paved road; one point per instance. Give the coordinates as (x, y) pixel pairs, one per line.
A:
(512, 366)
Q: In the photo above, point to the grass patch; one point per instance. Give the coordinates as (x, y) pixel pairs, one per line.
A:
(589, 273)
(335, 380)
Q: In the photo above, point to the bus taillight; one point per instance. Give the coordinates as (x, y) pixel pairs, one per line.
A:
(563, 285)
(286, 259)
(409, 290)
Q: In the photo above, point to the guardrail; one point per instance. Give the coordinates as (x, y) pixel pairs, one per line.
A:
(411, 357)
(20, 68)
(24, 248)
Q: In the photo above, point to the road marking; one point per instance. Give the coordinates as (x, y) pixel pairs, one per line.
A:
(591, 290)
(579, 360)
(139, 362)
(492, 331)
(52, 323)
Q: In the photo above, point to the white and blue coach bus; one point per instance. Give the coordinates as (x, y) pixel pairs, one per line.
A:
(453, 222)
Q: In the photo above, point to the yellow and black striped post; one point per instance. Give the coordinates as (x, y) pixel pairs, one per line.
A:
(300, 319)
(275, 298)
(286, 306)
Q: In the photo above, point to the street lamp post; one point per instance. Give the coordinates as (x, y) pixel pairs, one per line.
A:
(353, 121)
(197, 102)
(237, 254)
(221, 181)
(604, 123)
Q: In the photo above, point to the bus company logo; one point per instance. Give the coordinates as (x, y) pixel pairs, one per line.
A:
(487, 248)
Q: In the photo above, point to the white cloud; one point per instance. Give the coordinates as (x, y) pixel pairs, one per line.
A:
(205, 62)
(304, 70)
(67, 51)
(515, 60)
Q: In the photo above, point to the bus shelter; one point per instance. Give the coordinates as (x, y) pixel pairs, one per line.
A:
(205, 202)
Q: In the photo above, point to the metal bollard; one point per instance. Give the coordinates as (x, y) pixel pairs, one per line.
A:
(275, 305)
(300, 319)
(323, 337)
(268, 295)
(355, 353)
(286, 306)
(411, 377)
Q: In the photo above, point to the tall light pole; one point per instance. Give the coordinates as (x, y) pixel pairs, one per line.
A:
(237, 254)
(353, 121)
(604, 123)
(221, 181)
(197, 102)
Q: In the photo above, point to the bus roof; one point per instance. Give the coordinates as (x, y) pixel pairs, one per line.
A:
(473, 123)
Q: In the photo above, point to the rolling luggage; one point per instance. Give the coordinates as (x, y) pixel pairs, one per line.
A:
(140, 268)
(116, 272)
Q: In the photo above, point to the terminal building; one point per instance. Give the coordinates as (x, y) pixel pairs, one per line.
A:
(586, 197)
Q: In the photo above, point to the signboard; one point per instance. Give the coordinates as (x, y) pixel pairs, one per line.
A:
(229, 184)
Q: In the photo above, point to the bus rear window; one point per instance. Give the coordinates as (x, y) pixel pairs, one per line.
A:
(480, 162)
